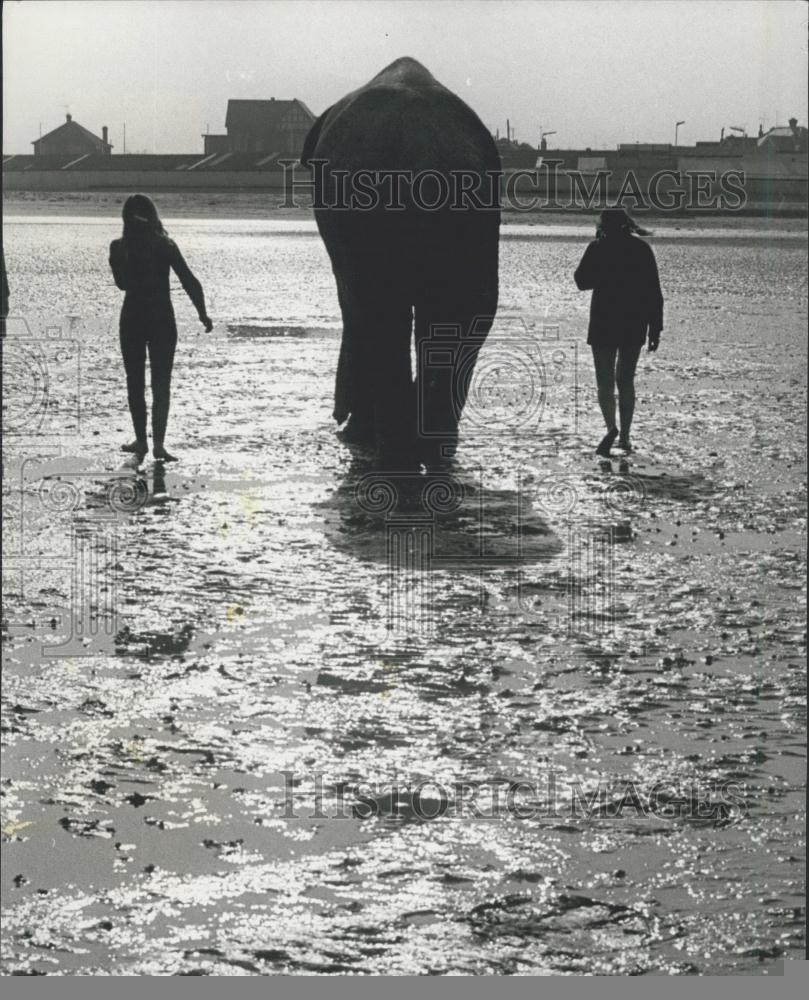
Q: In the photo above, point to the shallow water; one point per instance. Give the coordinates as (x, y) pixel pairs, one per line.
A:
(594, 671)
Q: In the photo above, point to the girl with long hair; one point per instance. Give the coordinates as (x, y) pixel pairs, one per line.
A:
(626, 307)
(140, 262)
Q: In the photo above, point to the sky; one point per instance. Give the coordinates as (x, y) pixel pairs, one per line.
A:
(595, 73)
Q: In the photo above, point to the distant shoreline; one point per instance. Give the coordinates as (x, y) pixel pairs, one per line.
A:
(264, 205)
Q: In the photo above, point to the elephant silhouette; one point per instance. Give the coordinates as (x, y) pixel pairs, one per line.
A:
(406, 198)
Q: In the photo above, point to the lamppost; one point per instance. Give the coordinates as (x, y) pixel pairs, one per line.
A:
(677, 129)
(542, 143)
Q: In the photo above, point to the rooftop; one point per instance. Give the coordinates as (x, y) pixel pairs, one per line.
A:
(69, 127)
(261, 113)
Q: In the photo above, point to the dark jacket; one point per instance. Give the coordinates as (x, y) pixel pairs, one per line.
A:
(627, 301)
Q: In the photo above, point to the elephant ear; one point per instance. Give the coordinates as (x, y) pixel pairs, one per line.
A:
(310, 143)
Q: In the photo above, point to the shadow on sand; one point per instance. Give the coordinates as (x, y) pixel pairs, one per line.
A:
(448, 519)
(656, 481)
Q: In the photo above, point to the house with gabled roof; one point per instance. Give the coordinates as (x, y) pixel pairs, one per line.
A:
(263, 126)
(71, 139)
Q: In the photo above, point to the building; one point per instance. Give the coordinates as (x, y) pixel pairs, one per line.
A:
(71, 139)
(214, 144)
(515, 155)
(645, 147)
(262, 127)
(785, 139)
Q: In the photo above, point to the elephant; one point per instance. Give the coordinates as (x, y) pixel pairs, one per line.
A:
(415, 263)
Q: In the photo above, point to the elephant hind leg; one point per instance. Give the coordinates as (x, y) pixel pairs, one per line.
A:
(387, 329)
(448, 340)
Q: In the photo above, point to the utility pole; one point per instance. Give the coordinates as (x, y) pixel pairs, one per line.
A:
(677, 129)
(124, 136)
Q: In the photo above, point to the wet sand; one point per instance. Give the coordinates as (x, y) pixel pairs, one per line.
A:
(625, 640)
(272, 204)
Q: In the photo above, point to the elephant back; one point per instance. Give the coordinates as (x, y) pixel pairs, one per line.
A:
(402, 120)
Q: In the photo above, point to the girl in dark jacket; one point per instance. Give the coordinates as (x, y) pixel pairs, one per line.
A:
(626, 307)
(140, 263)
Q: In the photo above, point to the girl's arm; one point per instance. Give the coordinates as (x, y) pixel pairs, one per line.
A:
(586, 273)
(655, 296)
(189, 282)
(117, 265)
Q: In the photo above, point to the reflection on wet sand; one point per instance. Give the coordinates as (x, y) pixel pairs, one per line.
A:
(225, 767)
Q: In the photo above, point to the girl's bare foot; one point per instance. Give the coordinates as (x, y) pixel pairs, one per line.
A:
(135, 447)
(161, 455)
(625, 445)
(606, 443)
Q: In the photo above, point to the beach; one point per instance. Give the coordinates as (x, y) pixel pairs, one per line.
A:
(234, 204)
(591, 695)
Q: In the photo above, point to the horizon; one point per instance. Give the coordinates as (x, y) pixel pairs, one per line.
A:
(757, 53)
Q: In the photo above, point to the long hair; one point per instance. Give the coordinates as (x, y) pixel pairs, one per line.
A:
(615, 221)
(141, 221)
